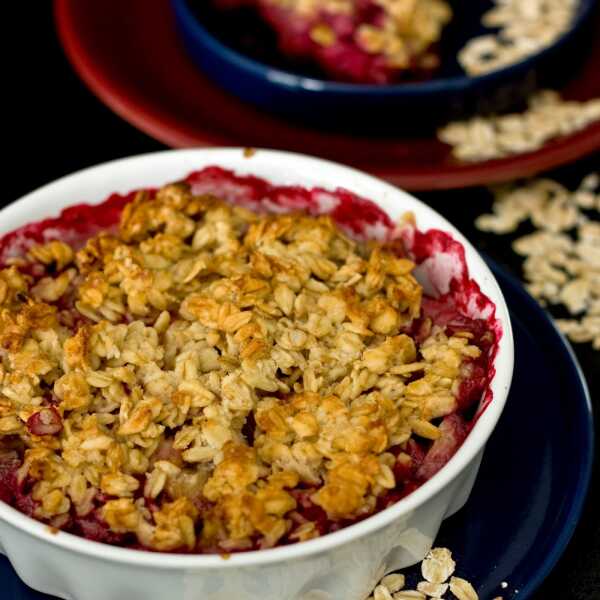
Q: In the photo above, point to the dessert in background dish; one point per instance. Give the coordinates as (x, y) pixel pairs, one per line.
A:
(361, 41)
(223, 364)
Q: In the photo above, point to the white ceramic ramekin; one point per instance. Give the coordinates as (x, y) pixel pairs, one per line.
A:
(339, 566)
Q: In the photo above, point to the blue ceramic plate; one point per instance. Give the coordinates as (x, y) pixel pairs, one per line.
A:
(230, 51)
(528, 498)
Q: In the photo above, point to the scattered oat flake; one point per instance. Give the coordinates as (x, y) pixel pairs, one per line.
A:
(382, 593)
(409, 595)
(562, 256)
(435, 590)
(547, 117)
(438, 565)
(517, 29)
(394, 582)
(462, 589)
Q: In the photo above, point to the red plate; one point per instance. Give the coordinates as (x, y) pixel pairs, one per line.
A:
(129, 54)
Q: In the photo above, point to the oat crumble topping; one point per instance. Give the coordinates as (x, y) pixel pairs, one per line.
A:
(198, 377)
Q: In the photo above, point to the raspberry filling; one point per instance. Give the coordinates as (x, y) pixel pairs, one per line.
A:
(453, 303)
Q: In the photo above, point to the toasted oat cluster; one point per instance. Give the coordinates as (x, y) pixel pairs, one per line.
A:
(365, 41)
(208, 378)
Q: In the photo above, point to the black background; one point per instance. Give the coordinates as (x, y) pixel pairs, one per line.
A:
(53, 125)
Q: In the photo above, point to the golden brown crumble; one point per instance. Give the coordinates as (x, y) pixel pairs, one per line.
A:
(131, 369)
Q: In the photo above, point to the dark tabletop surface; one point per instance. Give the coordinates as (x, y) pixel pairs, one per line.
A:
(53, 125)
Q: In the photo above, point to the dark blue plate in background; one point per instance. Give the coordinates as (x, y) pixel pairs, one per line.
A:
(228, 49)
(535, 473)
